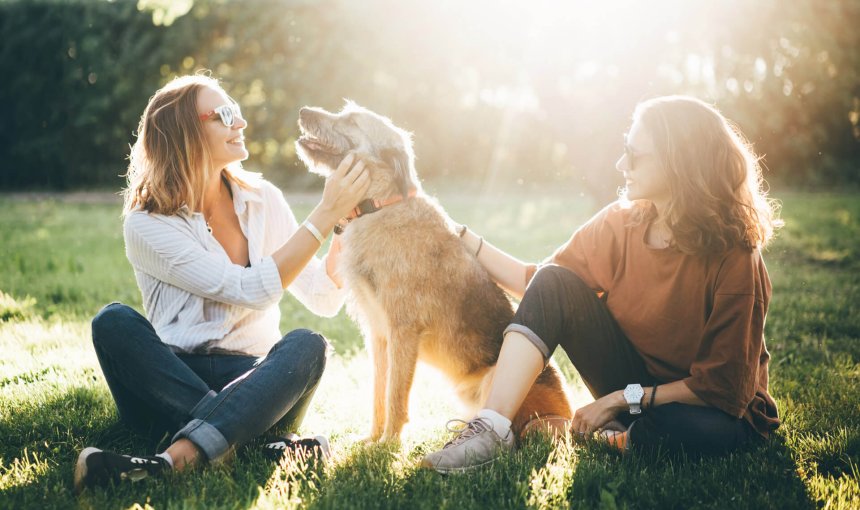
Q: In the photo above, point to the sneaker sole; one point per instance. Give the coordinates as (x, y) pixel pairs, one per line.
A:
(324, 447)
(81, 468)
(458, 470)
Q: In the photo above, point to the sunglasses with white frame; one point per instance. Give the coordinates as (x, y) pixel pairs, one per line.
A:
(227, 113)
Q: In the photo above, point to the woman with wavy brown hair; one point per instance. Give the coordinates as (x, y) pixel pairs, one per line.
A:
(659, 300)
(213, 248)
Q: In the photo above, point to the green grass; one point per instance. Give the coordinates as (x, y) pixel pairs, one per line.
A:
(62, 261)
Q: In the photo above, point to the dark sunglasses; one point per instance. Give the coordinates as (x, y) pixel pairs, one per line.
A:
(228, 113)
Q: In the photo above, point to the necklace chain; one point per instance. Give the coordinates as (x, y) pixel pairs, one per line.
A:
(211, 214)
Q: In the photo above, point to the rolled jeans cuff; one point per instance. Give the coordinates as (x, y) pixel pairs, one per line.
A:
(531, 337)
(205, 436)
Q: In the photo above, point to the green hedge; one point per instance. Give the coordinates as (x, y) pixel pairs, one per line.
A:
(77, 74)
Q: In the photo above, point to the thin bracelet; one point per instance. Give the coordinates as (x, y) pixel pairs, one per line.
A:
(314, 231)
(653, 394)
(480, 245)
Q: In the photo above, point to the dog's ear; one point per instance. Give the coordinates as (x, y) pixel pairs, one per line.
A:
(398, 160)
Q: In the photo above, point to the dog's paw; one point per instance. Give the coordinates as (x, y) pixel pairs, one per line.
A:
(389, 439)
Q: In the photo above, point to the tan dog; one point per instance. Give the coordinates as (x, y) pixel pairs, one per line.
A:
(415, 291)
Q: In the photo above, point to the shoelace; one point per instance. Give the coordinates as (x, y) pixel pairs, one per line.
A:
(278, 445)
(471, 429)
(139, 471)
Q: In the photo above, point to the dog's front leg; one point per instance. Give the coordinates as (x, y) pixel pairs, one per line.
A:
(379, 351)
(402, 359)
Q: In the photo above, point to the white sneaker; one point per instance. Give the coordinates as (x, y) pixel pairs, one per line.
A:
(475, 445)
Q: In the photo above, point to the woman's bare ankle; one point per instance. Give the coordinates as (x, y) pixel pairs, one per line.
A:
(184, 454)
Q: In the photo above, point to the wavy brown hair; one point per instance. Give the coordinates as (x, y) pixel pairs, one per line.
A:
(718, 200)
(169, 164)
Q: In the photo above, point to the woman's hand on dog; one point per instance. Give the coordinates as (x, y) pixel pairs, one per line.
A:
(346, 187)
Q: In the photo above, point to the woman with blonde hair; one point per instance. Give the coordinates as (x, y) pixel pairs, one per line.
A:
(213, 247)
(659, 300)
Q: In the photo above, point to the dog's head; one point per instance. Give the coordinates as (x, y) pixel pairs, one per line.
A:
(328, 137)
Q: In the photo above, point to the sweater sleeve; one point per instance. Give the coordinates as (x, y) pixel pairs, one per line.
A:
(592, 252)
(160, 247)
(312, 286)
(725, 371)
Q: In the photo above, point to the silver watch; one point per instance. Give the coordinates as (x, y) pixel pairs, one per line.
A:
(633, 394)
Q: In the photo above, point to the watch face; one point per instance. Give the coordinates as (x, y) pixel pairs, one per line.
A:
(633, 393)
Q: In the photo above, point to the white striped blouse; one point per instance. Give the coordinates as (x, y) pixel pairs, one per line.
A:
(197, 298)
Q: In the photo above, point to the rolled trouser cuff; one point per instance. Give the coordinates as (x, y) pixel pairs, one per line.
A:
(531, 337)
(205, 437)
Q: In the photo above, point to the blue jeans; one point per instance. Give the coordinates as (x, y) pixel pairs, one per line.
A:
(559, 309)
(217, 401)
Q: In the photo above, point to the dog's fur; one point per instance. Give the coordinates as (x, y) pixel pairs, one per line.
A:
(415, 290)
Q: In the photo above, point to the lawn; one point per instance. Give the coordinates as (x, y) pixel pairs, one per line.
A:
(61, 259)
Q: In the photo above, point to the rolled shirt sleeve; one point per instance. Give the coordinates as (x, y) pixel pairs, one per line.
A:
(725, 371)
(169, 251)
(314, 289)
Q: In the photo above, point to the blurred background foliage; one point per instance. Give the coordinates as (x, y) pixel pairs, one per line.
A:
(497, 93)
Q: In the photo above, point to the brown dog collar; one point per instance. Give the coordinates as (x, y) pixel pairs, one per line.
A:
(370, 206)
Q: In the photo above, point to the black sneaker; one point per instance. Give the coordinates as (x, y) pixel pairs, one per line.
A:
(316, 446)
(96, 467)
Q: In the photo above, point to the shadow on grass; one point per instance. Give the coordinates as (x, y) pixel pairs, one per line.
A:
(46, 436)
(46, 439)
(546, 475)
(761, 475)
(41, 443)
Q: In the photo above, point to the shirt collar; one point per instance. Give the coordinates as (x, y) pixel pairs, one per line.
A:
(244, 194)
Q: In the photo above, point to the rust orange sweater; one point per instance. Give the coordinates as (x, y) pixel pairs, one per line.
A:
(692, 318)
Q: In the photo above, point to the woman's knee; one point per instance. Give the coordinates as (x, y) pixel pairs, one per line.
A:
(111, 323)
(306, 346)
(554, 278)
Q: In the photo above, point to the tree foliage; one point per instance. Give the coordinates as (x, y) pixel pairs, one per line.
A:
(496, 92)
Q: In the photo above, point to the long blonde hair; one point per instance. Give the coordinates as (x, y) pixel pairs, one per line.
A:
(718, 200)
(170, 164)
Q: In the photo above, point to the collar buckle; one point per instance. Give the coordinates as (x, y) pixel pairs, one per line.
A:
(368, 206)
